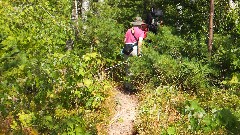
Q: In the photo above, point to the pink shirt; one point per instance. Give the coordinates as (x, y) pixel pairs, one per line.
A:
(129, 38)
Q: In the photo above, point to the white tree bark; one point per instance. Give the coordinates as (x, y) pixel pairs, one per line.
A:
(232, 4)
(85, 9)
(74, 18)
(76, 8)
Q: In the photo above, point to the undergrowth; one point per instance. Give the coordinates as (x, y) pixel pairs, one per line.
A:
(179, 93)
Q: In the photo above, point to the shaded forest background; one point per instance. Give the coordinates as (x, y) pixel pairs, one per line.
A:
(47, 88)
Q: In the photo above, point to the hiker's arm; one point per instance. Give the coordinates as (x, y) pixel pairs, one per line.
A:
(140, 40)
(125, 37)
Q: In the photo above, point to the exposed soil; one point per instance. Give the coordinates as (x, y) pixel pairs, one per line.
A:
(122, 122)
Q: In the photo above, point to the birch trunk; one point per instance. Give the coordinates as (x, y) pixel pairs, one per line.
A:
(210, 40)
(85, 9)
(74, 18)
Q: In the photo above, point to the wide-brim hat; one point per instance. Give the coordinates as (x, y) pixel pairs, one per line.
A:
(137, 21)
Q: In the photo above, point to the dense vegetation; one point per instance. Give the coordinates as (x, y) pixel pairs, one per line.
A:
(47, 89)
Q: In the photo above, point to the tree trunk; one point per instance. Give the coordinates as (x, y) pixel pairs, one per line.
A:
(74, 18)
(210, 38)
(85, 9)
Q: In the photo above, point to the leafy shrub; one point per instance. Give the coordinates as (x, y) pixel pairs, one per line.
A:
(168, 42)
(225, 56)
(45, 89)
(187, 75)
(166, 110)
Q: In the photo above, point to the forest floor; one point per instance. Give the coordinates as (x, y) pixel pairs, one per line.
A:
(122, 123)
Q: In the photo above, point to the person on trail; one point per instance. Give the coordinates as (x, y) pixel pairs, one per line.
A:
(154, 19)
(144, 28)
(134, 38)
(132, 46)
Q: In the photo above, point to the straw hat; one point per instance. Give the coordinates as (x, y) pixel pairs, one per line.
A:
(137, 21)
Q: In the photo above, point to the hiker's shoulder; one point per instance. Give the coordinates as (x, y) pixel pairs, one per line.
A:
(137, 29)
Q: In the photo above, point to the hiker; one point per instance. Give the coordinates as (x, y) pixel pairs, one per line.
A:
(132, 47)
(144, 28)
(154, 19)
(134, 38)
(151, 22)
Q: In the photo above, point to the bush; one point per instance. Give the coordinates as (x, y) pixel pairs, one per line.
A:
(167, 110)
(163, 69)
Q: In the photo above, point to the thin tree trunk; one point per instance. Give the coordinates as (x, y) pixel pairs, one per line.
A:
(85, 9)
(74, 18)
(210, 39)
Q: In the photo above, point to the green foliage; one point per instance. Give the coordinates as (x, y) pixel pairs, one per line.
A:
(227, 52)
(163, 69)
(195, 15)
(166, 110)
(183, 66)
(126, 10)
(167, 41)
(105, 34)
(44, 88)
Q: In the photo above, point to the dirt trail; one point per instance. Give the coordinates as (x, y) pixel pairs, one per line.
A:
(126, 110)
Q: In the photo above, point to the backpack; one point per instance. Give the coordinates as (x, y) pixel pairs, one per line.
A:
(127, 49)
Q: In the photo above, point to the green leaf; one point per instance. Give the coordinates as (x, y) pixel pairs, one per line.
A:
(79, 130)
(87, 82)
(194, 104)
(48, 118)
(171, 130)
(93, 55)
(81, 72)
(224, 82)
(234, 80)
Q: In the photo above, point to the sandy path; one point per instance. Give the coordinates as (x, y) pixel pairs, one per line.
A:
(126, 110)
